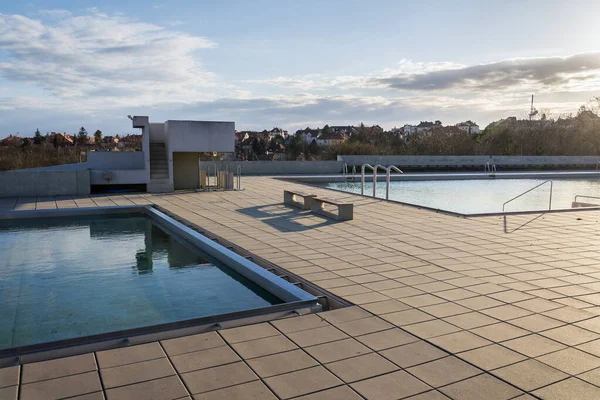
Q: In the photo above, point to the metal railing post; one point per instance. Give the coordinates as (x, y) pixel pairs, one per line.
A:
(533, 188)
(388, 179)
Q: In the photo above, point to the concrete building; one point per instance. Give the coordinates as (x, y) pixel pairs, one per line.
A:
(469, 127)
(171, 151)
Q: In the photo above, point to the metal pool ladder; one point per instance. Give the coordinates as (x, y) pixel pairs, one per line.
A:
(375, 168)
(490, 169)
(533, 188)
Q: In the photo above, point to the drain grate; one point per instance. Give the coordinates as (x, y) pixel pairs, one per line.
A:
(327, 300)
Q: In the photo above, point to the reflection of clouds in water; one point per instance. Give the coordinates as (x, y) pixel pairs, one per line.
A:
(480, 196)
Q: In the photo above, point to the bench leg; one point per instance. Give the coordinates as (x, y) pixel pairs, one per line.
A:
(345, 212)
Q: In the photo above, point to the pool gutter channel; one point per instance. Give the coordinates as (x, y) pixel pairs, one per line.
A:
(299, 296)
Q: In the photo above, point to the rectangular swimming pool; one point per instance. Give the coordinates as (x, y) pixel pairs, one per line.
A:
(80, 276)
(478, 196)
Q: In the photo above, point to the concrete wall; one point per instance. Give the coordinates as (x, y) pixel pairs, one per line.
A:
(109, 160)
(277, 167)
(157, 132)
(471, 161)
(118, 177)
(185, 171)
(200, 136)
(44, 183)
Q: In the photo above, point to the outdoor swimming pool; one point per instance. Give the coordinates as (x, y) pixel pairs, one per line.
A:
(73, 277)
(480, 195)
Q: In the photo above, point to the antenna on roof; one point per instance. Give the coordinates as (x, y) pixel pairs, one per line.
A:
(533, 112)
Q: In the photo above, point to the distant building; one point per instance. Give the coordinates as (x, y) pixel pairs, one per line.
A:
(331, 138)
(348, 130)
(469, 126)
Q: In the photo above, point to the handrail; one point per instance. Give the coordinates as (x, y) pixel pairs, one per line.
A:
(533, 188)
(239, 177)
(489, 168)
(387, 179)
(587, 197)
(345, 169)
(362, 177)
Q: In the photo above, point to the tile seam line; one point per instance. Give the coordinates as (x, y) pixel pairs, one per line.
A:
(187, 389)
(247, 366)
(343, 383)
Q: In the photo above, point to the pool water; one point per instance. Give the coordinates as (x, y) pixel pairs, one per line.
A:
(480, 195)
(78, 277)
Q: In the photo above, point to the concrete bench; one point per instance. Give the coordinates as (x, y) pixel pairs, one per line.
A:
(291, 197)
(345, 210)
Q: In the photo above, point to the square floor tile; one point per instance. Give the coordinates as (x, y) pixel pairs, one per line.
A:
(67, 386)
(568, 314)
(533, 345)
(337, 393)
(429, 329)
(188, 344)
(264, 346)
(281, 363)
(530, 375)
(302, 382)
(158, 389)
(10, 392)
(570, 389)
(129, 355)
(445, 310)
(204, 359)
(246, 391)
(205, 380)
(344, 315)
(470, 320)
(536, 323)
(500, 332)
(407, 317)
(249, 332)
(444, 371)
(334, 351)
(571, 361)
(591, 347)
(138, 372)
(57, 368)
(363, 326)
(413, 354)
(474, 388)
(396, 385)
(9, 376)
(387, 339)
(570, 335)
(460, 341)
(479, 302)
(316, 336)
(506, 312)
(491, 357)
(361, 367)
(385, 307)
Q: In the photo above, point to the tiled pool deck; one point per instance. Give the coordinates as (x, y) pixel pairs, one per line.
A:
(446, 308)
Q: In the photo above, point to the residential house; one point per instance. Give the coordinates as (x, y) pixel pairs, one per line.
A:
(308, 134)
(468, 126)
(331, 138)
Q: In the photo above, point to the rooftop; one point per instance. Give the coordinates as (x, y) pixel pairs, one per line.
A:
(445, 307)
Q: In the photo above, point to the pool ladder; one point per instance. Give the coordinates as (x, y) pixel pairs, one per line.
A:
(490, 169)
(237, 178)
(533, 188)
(345, 172)
(375, 168)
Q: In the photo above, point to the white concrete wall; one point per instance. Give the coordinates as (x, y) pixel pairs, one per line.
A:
(200, 136)
(118, 177)
(44, 183)
(109, 160)
(277, 167)
(471, 161)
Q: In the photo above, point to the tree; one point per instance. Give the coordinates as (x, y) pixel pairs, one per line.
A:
(82, 136)
(326, 130)
(25, 142)
(38, 138)
(98, 137)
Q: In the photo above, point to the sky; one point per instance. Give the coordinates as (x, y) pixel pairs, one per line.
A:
(265, 63)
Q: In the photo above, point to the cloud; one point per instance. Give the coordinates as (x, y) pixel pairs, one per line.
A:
(538, 73)
(94, 58)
